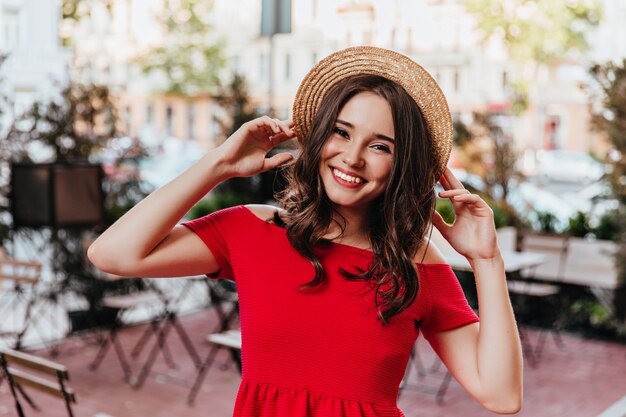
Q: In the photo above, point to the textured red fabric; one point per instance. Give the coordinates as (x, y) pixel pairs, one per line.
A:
(321, 352)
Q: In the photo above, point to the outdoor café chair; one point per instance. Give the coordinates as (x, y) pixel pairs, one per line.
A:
(225, 302)
(22, 370)
(415, 361)
(231, 340)
(18, 296)
(158, 330)
(527, 289)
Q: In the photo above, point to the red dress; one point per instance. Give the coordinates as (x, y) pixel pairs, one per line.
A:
(320, 353)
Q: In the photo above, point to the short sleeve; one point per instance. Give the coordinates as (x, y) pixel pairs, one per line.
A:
(449, 308)
(218, 231)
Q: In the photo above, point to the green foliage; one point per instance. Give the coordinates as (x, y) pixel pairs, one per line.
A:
(608, 227)
(578, 225)
(215, 202)
(444, 207)
(609, 117)
(462, 134)
(501, 215)
(590, 310)
(190, 57)
(536, 32)
(547, 221)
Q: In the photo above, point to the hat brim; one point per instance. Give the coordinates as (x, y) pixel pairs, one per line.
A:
(369, 60)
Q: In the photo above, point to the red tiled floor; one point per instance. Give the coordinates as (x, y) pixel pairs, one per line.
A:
(581, 381)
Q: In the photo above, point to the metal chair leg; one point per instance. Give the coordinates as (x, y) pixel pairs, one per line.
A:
(202, 371)
(443, 388)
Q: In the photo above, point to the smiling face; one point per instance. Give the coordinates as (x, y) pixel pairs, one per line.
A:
(357, 159)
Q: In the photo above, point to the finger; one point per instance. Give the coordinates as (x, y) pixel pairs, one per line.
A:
(444, 183)
(265, 124)
(285, 128)
(468, 198)
(276, 160)
(439, 222)
(281, 137)
(271, 123)
(452, 193)
(453, 182)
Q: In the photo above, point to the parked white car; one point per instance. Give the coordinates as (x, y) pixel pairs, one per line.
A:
(569, 166)
(175, 157)
(595, 200)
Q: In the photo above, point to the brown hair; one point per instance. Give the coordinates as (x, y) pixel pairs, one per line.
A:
(403, 211)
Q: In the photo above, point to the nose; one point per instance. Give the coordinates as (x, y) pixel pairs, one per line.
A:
(352, 155)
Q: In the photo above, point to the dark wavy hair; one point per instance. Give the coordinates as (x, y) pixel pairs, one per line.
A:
(400, 216)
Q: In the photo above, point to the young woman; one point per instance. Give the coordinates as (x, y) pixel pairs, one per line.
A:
(335, 287)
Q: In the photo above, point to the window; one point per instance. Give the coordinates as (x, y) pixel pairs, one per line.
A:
(191, 121)
(149, 114)
(169, 120)
(287, 67)
(127, 117)
(10, 29)
(263, 67)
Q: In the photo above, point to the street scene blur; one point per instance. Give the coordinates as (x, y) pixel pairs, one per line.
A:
(104, 101)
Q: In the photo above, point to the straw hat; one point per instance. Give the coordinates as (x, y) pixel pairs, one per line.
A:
(362, 60)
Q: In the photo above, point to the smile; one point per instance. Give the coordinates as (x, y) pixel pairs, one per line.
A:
(346, 178)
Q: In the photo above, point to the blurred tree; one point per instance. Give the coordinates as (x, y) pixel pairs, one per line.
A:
(501, 158)
(487, 151)
(609, 116)
(74, 10)
(235, 100)
(535, 33)
(80, 125)
(4, 170)
(77, 124)
(190, 57)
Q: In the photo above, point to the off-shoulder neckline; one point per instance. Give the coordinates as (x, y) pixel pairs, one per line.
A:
(343, 245)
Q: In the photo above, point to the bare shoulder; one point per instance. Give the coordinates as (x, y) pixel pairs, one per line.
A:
(428, 253)
(264, 211)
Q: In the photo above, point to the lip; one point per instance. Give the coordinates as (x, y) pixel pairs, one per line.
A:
(345, 183)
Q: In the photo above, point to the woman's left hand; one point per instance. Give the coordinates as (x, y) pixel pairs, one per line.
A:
(473, 233)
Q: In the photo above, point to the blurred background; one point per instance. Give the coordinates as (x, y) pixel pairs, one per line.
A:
(103, 101)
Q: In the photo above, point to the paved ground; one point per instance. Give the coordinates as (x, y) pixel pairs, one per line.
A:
(582, 381)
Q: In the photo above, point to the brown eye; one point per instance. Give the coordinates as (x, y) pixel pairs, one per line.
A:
(382, 148)
(340, 132)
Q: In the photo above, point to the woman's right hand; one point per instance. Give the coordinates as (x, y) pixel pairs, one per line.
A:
(244, 151)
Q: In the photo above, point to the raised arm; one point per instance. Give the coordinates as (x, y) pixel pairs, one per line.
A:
(485, 358)
(146, 241)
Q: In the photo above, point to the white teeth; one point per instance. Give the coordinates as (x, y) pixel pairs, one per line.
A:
(347, 177)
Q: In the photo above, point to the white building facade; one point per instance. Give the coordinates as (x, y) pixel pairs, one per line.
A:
(36, 64)
(438, 34)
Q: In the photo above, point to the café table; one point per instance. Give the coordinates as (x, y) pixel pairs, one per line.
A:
(514, 262)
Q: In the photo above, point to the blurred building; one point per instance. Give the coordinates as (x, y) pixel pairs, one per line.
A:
(36, 64)
(438, 34)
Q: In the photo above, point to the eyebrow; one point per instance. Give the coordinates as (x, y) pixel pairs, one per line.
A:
(378, 135)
